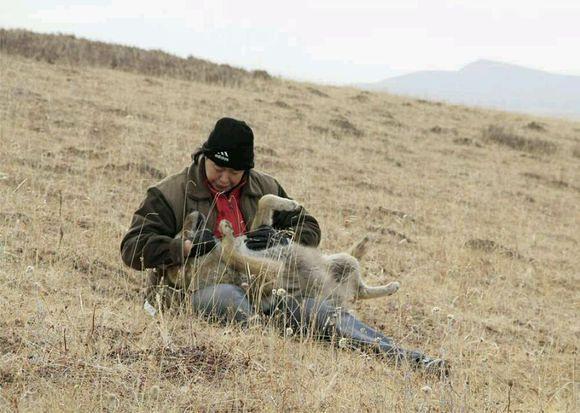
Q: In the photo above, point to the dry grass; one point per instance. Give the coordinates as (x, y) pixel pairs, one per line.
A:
(73, 51)
(484, 240)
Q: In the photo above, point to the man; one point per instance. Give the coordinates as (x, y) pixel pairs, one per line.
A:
(222, 184)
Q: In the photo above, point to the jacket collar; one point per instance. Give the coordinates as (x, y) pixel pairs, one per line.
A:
(196, 188)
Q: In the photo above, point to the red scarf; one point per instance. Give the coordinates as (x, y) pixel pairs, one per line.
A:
(228, 207)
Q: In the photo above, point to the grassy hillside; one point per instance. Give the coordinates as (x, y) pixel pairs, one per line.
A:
(475, 212)
(73, 51)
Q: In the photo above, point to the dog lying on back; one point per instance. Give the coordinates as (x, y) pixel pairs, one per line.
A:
(284, 268)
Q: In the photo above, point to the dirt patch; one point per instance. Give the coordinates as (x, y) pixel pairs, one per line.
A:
(142, 168)
(392, 123)
(181, 363)
(345, 126)
(362, 97)
(124, 354)
(263, 150)
(554, 183)
(275, 164)
(317, 92)
(82, 153)
(441, 130)
(526, 197)
(152, 82)
(428, 102)
(63, 123)
(490, 246)
(111, 333)
(466, 142)
(397, 214)
(319, 130)
(9, 343)
(58, 168)
(282, 104)
(400, 237)
(6, 378)
(94, 266)
(14, 217)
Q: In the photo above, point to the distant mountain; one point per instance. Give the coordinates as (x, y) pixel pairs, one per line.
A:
(492, 84)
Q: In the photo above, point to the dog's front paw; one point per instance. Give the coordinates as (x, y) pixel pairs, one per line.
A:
(226, 228)
(292, 205)
(277, 203)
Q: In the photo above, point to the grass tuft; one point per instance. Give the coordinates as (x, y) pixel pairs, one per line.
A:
(504, 137)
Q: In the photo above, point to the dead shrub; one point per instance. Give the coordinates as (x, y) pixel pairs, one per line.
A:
(490, 246)
(501, 136)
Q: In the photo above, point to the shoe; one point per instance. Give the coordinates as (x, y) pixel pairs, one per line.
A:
(431, 366)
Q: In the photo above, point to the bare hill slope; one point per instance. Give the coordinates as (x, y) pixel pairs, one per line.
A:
(474, 212)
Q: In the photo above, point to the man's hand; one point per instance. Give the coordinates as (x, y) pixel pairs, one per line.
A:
(202, 243)
(265, 237)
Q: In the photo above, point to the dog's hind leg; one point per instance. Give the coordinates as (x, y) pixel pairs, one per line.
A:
(365, 292)
(345, 270)
(359, 249)
(267, 205)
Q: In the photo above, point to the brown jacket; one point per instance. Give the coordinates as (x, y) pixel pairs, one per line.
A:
(150, 242)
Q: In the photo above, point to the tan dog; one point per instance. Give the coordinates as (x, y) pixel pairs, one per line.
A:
(294, 269)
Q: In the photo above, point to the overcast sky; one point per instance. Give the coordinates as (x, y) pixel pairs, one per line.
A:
(336, 41)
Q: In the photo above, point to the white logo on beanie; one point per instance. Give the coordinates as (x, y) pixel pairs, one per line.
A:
(223, 156)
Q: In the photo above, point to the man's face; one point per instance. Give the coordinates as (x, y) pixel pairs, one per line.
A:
(222, 179)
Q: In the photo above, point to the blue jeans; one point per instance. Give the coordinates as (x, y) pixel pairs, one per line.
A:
(226, 303)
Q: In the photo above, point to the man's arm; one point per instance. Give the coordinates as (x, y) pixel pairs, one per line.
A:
(303, 224)
(150, 242)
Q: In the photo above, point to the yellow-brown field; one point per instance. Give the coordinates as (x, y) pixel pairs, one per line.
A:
(475, 212)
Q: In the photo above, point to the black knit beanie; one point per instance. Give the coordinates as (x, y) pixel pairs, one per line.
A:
(231, 144)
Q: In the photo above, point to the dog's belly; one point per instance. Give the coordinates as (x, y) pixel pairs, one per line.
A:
(304, 269)
(205, 272)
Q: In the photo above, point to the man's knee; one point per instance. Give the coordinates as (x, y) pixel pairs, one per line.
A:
(222, 300)
(311, 313)
(318, 310)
